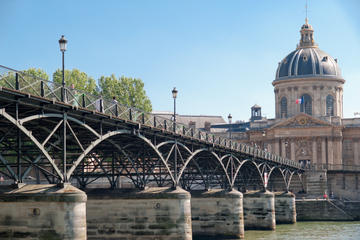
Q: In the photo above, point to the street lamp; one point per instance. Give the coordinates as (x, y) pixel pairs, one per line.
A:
(62, 43)
(174, 94)
(229, 118)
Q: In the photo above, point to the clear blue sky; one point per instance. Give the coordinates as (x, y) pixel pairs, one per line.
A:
(221, 55)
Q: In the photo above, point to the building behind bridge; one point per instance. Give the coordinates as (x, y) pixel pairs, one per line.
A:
(308, 126)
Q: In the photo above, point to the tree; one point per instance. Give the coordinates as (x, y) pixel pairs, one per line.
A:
(80, 80)
(128, 91)
(37, 73)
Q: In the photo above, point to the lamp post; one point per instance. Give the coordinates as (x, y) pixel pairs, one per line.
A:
(174, 94)
(62, 43)
(229, 118)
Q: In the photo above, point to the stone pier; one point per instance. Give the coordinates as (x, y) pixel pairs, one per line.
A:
(42, 212)
(285, 209)
(217, 214)
(259, 210)
(154, 213)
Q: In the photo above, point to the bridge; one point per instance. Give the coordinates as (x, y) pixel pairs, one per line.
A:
(60, 135)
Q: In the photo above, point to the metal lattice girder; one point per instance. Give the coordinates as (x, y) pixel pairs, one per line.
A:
(75, 140)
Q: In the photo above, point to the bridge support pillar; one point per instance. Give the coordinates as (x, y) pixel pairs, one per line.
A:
(42, 212)
(259, 210)
(285, 209)
(217, 214)
(154, 213)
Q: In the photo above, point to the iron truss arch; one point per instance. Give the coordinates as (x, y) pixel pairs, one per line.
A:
(43, 139)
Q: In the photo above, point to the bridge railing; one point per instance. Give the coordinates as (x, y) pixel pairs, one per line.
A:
(20, 81)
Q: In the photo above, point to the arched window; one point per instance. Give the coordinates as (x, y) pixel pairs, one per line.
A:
(283, 107)
(329, 105)
(306, 104)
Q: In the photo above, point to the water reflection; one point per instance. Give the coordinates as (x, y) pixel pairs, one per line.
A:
(308, 231)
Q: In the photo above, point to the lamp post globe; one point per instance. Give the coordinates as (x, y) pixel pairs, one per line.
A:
(63, 45)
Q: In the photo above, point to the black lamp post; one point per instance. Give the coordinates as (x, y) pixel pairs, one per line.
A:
(229, 118)
(62, 43)
(174, 94)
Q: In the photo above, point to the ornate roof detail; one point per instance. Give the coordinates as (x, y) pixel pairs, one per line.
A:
(302, 120)
(307, 60)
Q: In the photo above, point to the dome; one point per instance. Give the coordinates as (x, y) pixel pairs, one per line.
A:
(307, 60)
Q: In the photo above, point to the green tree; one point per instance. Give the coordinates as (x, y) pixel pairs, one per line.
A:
(80, 80)
(128, 91)
(39, 73)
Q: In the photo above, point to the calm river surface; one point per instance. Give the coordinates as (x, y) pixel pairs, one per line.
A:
(309, 231)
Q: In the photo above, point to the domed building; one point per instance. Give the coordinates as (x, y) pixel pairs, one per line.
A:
(309, 126)
(308, 80)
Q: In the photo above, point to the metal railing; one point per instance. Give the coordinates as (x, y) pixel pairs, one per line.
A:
(20, 81)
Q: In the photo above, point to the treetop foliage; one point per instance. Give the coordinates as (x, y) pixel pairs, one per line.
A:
(127, 91)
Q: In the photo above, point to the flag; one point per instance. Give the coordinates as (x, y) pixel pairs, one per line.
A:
(300, 100)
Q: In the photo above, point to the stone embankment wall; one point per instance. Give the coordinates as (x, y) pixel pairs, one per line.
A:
(319, 210)
(45, 212)
(155, 213)
(217, 214)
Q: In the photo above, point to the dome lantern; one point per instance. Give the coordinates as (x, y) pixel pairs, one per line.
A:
(307, 36)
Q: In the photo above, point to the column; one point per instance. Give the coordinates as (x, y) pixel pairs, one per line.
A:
(292, 149)
(285, 211)
(259, 210)
(277, 147)
(356, 151)
(43, 212)
(283, 148)
(217, 214)
(323, 151)
(155, 213)
(330, 151)
(314, 152)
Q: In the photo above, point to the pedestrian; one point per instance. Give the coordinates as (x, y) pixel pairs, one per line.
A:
(115, 103)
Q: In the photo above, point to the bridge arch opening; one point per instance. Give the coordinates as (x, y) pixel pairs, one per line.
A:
(248, 177)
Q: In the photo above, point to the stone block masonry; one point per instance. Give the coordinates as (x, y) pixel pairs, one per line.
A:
(285, 209)
(217, 214)
(320, 210)
(259, 210)
(154, 213)
(45, 212)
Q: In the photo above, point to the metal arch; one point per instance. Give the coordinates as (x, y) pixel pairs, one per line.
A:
(282, 174)
(173, 142)
(158, 153)
(92, 146)
(242, 164)
(56, 115)
(230, 155)
(193, 155)
(289, 181)
(35, 141)
(110, 134)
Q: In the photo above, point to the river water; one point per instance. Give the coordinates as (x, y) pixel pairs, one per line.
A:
(309, 231)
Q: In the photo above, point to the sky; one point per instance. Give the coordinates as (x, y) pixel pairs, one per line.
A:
(220, 55)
